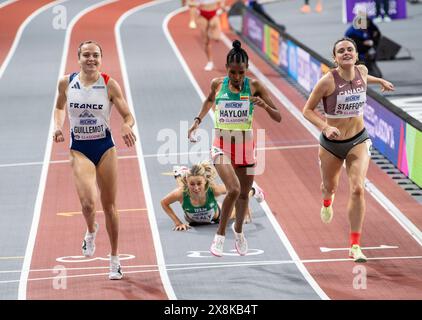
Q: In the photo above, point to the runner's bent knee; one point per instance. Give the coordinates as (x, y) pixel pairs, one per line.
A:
(233, 190)
(88, 207)
(244, 196)
(109, 209)
(329, 187)
(357, 189)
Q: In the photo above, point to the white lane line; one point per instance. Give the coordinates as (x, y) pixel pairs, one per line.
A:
(158, 155)
(43, 178)
(21, 164)
(264, 205)
(292, 251)
(275, 148)
(383, 246)
(369, 186)
(20, 32)
(198, 266)
(304, 146)
(142, 168)
(6, 3)
(12, 258)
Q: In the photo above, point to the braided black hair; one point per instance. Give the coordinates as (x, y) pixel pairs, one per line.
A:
(237, 54)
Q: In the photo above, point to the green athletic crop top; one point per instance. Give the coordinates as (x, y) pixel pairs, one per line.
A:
(234, 110)
(204, 213)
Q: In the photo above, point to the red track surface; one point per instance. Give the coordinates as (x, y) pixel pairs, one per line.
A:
(11, 18)
(62, 235)
(291, 180)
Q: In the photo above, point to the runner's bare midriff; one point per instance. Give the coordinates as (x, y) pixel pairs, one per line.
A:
(348, 127)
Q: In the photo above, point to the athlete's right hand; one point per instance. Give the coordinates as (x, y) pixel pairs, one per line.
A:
(191, 132)
(181, 227)
(331, 132)
(128, 136)
(58, 136)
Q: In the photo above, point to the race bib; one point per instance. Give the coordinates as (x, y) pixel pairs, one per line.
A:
(350, 105)
(89, 129)
(233, 111)
(202, 215)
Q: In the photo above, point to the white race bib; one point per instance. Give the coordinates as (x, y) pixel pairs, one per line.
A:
(202, 215)
(89, 129)
(350, 105)
(233, 111)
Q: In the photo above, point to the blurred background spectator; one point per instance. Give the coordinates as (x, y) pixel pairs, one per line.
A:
(378, 17)
(367, 37)
(306, 8)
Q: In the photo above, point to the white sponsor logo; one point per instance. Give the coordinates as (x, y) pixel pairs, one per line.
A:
(378, 127)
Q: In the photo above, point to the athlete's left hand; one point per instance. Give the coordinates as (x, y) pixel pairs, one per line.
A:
(128, 135)
(181, 227)
(386, 86)
(258, 101)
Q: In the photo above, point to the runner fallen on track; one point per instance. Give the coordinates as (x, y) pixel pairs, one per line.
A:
(197, 192)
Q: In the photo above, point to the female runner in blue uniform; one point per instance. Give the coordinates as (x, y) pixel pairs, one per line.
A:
(88, 96)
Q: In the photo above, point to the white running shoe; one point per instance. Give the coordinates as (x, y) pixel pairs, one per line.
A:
(327, 212)
(217, 245)
(386, 19)
(88, 244)
(241, 244)
(377, 19)
(209, 66)
(356, 254)
(180, 171)
(258, 192)
(115, 270)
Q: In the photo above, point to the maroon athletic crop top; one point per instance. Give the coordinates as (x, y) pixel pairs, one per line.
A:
(348, 98)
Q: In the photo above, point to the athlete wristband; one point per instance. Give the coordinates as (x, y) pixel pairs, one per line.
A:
(197, 118)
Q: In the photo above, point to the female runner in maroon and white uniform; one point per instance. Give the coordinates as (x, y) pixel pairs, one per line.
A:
(343, 134)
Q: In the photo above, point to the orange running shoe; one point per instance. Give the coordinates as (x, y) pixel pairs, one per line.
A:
(318, 7)
(305, 8)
